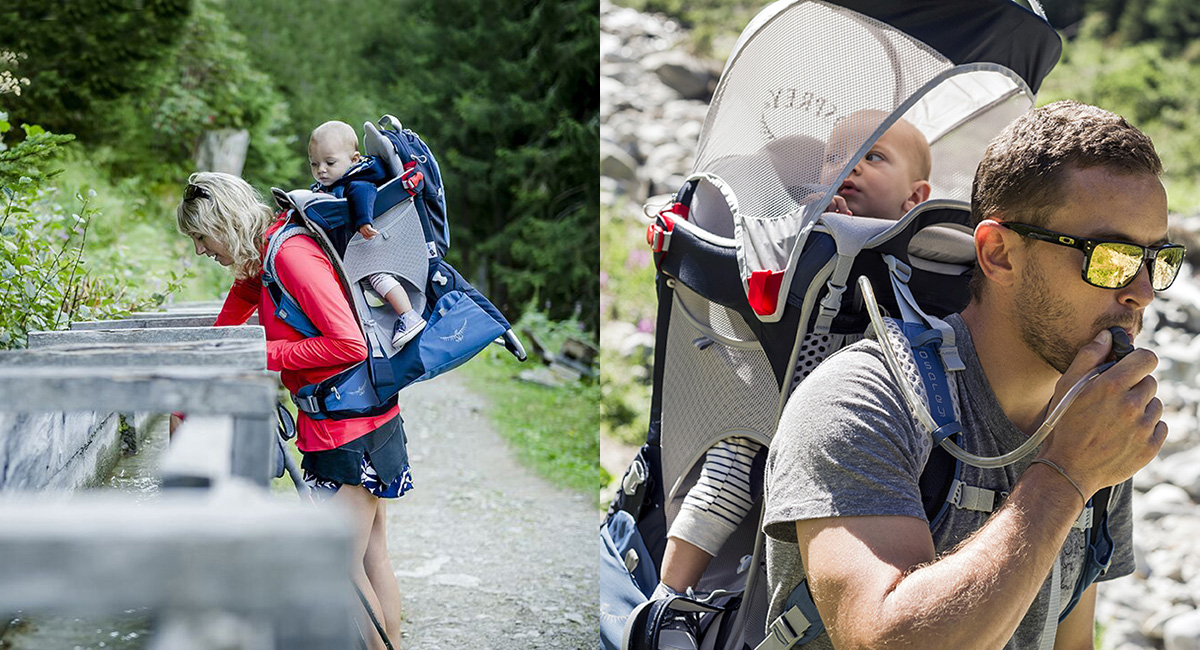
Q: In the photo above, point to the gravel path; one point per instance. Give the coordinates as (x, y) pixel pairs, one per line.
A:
(487, 555)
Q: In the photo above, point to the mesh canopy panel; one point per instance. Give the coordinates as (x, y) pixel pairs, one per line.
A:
(809, 88)
(805, 70)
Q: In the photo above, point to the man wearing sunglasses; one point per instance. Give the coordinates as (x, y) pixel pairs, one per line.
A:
(1071, 239)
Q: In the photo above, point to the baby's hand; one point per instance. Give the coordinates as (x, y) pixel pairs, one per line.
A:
(367, 231)
(839, 206)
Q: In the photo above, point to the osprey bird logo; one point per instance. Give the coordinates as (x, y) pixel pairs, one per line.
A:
(457, 336)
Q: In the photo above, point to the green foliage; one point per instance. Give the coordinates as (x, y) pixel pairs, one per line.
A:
(1174, 23)
(205, 82)
(507, 98)
(142, 81)
(77, 53)
(21, 163)
(45, 282)
(628, 304)
(1150, 88)
(553, 430)
(209, 83)
(318, 64)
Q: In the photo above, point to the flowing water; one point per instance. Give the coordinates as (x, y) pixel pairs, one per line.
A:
(136, 474)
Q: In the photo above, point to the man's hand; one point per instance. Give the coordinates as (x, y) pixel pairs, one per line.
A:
(367, 231)
(1113, 428)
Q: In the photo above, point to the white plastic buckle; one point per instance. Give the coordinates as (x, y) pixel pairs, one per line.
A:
(631, 560)
(1084, 520)
(634, 478)
(969, 497)
(789, 627)
(902, 271)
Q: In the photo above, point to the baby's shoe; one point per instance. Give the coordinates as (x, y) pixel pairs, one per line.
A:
(408, 325)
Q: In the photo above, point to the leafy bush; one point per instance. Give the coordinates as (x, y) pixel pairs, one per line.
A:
(80, 54)
(204, 82)
(45, 283)
(1150, 88)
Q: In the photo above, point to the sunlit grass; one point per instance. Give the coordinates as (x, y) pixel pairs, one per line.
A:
(554, 431)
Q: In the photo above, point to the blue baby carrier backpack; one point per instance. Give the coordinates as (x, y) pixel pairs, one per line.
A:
(757, 285)
(410, 215)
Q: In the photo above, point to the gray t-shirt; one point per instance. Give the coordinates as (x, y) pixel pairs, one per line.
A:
(848, 446)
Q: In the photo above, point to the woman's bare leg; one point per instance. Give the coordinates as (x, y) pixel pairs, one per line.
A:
(383, 578)
(361, 506)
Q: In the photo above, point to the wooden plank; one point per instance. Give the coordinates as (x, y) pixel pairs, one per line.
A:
(202, 320)
(200, 454)
(139, 336)
(253, 446)
(238, 354)
(192, 390)
(234, 551)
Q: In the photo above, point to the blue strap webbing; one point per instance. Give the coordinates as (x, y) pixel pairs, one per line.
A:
(925, 344)
(286, 307)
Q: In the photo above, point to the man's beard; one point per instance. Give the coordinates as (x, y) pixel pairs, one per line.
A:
(1044, 322)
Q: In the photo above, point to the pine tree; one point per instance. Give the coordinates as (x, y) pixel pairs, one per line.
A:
(507, 95)
(79, 52)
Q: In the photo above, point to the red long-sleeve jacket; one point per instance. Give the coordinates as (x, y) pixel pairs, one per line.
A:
(303, 268)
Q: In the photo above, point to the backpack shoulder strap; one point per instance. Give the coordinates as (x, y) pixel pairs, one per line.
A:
(286, 307)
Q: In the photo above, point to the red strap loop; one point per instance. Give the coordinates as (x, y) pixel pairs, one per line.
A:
(410, 178)
(763, 293)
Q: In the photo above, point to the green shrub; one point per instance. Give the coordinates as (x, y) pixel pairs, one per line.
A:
(45, 282)
(553, 430)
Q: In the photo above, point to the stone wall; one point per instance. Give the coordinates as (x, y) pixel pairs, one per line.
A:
(57, 451)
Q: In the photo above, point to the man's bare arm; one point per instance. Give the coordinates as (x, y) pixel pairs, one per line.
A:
(875, 579)
(876, 583)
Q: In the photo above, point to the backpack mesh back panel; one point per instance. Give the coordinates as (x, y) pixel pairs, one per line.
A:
(366, 257)
(710, 390)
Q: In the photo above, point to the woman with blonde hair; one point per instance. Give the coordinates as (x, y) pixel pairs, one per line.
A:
(358, 462)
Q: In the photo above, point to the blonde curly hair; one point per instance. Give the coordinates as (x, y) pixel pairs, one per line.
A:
(226, 208)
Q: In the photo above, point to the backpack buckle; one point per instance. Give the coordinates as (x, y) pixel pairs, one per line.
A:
(307, 403)
(659, 236)
(410, 178)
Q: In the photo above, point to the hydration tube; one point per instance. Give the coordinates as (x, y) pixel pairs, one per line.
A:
(1121, 347)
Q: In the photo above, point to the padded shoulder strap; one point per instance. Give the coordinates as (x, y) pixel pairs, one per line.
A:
(274, 243)
(286, 307)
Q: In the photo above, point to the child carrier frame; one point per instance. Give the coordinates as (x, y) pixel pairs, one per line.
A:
(410, 217)
(756, 284)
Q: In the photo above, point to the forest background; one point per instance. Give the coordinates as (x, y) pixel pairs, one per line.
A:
(103, 104)
(117, 94)
(1138, 58)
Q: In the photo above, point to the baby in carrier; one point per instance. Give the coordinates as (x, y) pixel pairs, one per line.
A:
(890, 180)
(340, 170)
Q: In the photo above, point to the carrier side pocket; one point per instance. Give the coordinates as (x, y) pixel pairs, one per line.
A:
(458, 329)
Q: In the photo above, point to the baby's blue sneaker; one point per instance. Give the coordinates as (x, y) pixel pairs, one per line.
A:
(408, 325)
